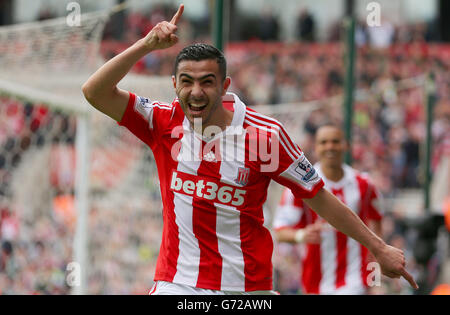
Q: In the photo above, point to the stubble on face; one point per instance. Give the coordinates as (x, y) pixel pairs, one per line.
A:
(199, 87)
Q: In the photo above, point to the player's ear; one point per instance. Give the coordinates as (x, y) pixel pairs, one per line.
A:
(174, 81)
(226, 85)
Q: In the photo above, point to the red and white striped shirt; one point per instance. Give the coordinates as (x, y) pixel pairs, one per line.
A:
(213, 191)
(338, 265)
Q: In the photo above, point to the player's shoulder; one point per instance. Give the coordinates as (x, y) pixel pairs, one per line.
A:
(361, 176)
(258, 119)
(159, 112)
(158, 105)
(264, 126)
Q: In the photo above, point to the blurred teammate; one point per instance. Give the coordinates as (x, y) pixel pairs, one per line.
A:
(333, 263)
(214, 170)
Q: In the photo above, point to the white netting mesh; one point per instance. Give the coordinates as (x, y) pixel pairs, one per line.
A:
(43, 66)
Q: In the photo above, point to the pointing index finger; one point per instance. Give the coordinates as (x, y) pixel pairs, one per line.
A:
(177, 16)
(409, 278)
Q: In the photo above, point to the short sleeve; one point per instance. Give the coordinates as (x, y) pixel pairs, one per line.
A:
(140, 118)
(294, 171)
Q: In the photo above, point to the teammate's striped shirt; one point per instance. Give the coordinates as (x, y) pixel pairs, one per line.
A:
(213, 191)
(338, 265)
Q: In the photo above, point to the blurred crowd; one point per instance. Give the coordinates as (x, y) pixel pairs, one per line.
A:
(387, 111)
(388, 133)
(35, 245)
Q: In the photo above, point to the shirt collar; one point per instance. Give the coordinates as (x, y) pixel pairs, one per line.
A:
(237, 122)
(348, 174)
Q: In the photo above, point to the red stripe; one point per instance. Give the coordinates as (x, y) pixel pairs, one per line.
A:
(341, 246)
(257, 249)
(364, 213)
(341, 269)
(130, 107)
(364, 262)
(204, 220)
(256, 240)
(166, 266)
(154, 289)
(311, 273)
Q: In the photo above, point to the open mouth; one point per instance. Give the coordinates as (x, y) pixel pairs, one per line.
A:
(330, 154)
(196, 107)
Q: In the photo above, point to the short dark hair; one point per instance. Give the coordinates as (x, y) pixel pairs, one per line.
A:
(331, 124)
(199, 52)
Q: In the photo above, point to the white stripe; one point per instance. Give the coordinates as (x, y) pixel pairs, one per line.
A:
(189, 251)
(162, 106)
(276, 133)
(352, 197)
(353, 275)
(274, 122)
(228, 223)
(328, 266)
(287, 215)
(228, 230)
(150, 120)
(162, 103)
(147, 111)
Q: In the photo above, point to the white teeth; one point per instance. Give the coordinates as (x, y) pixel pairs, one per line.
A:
(197, 105)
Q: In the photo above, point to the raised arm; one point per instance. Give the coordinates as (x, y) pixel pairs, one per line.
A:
(101, 89)
(391, 259)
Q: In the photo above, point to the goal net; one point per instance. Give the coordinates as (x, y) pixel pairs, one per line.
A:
(79, 196)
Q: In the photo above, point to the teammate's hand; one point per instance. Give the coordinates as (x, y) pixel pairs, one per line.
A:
(312, 233)
(392, 263)
(163, 34)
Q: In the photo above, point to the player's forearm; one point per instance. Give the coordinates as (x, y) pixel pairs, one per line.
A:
(286, 235)
(105, 79)
(342, 218)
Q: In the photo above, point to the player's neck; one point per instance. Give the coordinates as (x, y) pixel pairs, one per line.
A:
(221, 118)
(332, 172)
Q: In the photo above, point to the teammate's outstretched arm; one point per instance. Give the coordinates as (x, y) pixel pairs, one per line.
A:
(101, 89)
(391, 259)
